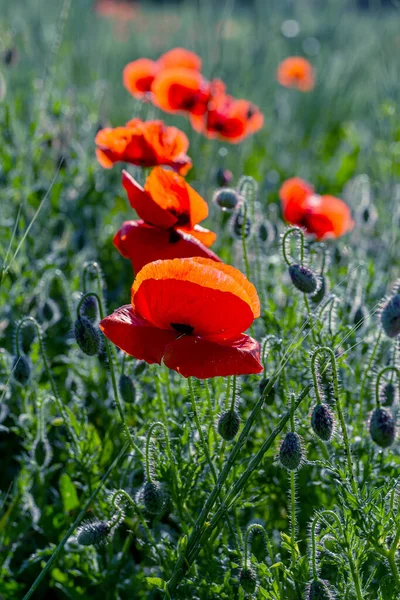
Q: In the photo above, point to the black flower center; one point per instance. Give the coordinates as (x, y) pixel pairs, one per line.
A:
(182, 328)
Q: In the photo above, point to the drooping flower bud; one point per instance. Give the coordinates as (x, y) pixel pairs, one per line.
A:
(127, 389)
(239, 226)
(318, 590)
(93, 533)
(140, 367)
(248, 580)
(388, 394)
(382, 427)
(360, 316)
(228, 425)
(227, 199)
(90, 308)
(223, 177)
(390, 316)
(22, 369)
(290, 453)
(87, 336)
(322, 421)
(322, 291)
(271, 394)
(304, 279)
(153, 497)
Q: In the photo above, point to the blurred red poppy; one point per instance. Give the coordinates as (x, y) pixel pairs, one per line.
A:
(181, 90)
(296, 72)
(139, 75)
(143, 143)
(323, 216)
(228, 119)
(189, 313)
(170, 212)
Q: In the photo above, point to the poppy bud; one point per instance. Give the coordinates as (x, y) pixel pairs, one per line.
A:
(93, 533)
(127, 389)
(322, 422)
(291, 452)
(382, 427)
(223, 177)
(140, 367)
(390, 316)
(89, 308)
(321, 292)
(248, 580)
(303, 279)
(87, 336)
(21, 369)
(153, 497)
(271, 394)
(318, 590)
(266, 232)
(359, 316)
(239, 226)
(228, 425)
(388, 394)
(227, 199)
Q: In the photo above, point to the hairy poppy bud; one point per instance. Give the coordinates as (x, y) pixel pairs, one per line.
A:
(228, 425)
(226, 199)
(382, 427)
(303, 279)
(248, 580)
(388, 394)
(322, 422)
(390, 316)
(93, 533)
(90, 308)
(239, 225)
(291, 452)
(271, 394)
(21, 369)
(359, 316)
(140, 367)
(322, 291)
(127, 389)
(87, 336)
(318, 590)
(223, 177)
(266, 232)
(153, 497)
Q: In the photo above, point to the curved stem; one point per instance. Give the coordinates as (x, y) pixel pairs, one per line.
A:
(254, 529)
(244, 242)
(378, 381)
(367, 373)
(58, 274)
(314, 373)
(286, 255)
(148, 456)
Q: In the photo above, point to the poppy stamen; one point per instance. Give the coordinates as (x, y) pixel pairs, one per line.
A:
(182, 328)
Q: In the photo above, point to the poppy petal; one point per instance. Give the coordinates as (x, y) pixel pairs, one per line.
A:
(181, 90)
(180, 57)
(196, 357)
(135, 336)
(293, 194)
(334, 216)
(142, 244)
(147, 209)
(138, 76)
(195, 292)
(205, 236)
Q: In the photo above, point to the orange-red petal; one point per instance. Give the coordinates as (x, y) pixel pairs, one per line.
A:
(144, 204)
(296, 72)
(138, 76)
(181, 90)
(180, 57)
(197, 357)
(328, 216)
(205, 236)
(142, 244)
(293, 194)
(135, 336)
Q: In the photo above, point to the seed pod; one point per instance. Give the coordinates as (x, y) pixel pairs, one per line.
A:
(223, 177)
(303, 279)
(127, 389)
(87, 336)
(93, 533)
(238, 225)
(322, 422)
(140, 367)
(227, 199)
(248, 580)
(390, 316)
(22, 369)
(382, 427)
(153, 497)
(228, 425)
(318, 590)
(388, 394)
(291, 452)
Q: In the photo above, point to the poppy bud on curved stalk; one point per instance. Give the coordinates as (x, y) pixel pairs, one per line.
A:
(304, 279)
(87, 336)
(93, 533)
(22, 369)
(390, 316)
(248, 580)
(318, 590)
(382, 427)
(228, 425)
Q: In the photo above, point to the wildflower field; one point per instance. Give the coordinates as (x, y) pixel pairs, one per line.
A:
(199, 300)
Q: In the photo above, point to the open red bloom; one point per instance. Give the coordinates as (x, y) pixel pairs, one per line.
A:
(324, 216)
(139, 75)
(171, 211)
(143, 143)
(296, 72)
(181, 90)
(228, 119)
(189, 313)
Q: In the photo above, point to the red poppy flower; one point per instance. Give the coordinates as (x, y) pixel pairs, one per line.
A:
(228, 119)
(189, 313)
(181, 90)
(143, 143)
(171, 211)
(296, 72)
(139, 75)
(324, 216)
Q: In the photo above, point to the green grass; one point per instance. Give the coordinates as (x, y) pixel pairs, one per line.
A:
(62, 443)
